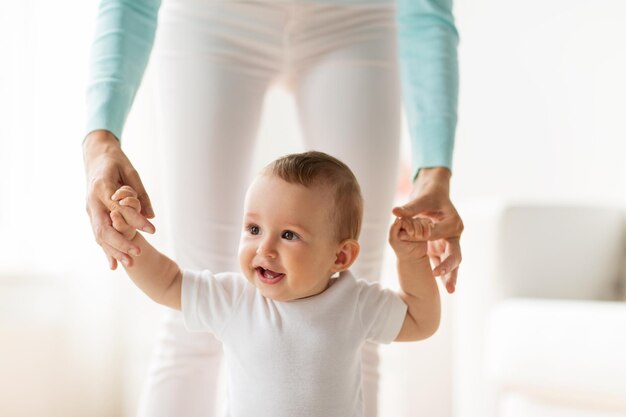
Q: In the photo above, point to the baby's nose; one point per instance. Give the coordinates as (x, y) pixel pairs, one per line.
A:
(267, 249)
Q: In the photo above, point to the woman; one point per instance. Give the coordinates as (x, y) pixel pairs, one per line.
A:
(215, 59)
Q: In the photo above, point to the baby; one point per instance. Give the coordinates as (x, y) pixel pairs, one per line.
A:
(293, 321)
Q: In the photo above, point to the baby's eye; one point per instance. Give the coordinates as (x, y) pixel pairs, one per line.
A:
(289, 235)
(253, 229)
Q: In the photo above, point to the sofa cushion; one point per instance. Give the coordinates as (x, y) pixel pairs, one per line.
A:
(515, 404)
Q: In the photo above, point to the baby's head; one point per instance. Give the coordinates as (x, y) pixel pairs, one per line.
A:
(302, 219)
(323, 174)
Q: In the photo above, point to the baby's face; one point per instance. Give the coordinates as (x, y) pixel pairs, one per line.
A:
(288, 245)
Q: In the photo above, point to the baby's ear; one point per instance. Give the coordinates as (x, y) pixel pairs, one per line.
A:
(346, 254)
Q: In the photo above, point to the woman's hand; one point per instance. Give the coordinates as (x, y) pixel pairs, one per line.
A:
(430, 198)
(107, 168)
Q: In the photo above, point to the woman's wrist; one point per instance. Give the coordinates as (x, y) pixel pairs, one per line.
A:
(434, 174)
(97, 143)
(432, 179)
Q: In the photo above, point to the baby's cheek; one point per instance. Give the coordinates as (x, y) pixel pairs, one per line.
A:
(245, 253)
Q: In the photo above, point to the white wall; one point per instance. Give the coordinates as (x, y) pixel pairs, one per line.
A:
(59, 354)
(542, 100)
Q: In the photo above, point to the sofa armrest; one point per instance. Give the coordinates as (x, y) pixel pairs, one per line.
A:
(526, 250)
(571, 353)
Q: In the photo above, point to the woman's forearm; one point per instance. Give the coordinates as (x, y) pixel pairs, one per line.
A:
(427, 39)
(124, 37)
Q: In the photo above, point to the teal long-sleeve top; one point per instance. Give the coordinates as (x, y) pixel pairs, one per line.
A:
(427, 42)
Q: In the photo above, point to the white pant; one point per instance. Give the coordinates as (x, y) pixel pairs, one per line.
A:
(215, 60)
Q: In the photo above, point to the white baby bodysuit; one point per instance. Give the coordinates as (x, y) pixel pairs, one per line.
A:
(292, 358)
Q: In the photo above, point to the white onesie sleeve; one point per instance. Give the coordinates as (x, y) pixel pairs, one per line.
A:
(208, 299)
(381, 310)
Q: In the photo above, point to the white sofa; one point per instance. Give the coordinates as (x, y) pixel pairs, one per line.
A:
(540, 317)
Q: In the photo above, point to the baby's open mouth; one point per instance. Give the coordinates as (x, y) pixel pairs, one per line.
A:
(268, 276)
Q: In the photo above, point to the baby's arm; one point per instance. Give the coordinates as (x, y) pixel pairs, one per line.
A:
(154, 273)
(418, 288)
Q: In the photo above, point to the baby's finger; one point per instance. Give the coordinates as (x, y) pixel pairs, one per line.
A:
(121, 226)
(409, 228)
(132, 202)
(134, 218)
(123, 192)
(128, 216)
(120, 222)
(423, 227)
(418, 229)
(394, 231)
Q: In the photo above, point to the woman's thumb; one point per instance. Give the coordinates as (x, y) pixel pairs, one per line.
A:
(409, 210)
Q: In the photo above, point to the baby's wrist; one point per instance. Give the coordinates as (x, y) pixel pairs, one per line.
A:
(410, 252)
(412, 258)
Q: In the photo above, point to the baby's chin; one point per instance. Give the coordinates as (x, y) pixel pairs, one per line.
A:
(280, 290)
(274, 295)
(283, 297)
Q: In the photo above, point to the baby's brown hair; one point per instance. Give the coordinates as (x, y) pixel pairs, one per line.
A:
(315, 168)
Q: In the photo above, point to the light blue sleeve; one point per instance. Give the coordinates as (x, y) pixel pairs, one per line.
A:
(428, 39)
(119, 54)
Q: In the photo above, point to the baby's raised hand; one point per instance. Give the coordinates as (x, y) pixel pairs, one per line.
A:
(127, 207)
(408, 237)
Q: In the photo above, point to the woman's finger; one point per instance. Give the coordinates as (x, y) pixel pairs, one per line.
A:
(112, 262)
(446, 228)
(135, 181)
(451, 258)
(117, 256)
(450, 280)
(434, 261)
(106, 235)
(420, 205)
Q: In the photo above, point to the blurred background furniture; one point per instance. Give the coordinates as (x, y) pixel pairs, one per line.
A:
(540, 326)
